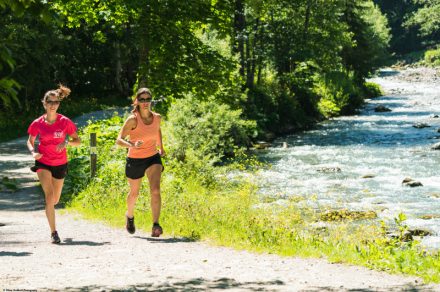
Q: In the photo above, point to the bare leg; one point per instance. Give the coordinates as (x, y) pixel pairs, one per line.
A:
(135, 185)
(57, 185)
(154, 173)
(45, 177)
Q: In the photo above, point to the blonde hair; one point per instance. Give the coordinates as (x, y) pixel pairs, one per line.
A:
(61, 93)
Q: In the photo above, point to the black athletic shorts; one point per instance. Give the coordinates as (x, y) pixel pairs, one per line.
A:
(135, 167)
(58, 172)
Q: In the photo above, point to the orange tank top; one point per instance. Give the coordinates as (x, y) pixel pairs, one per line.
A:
(147, 133)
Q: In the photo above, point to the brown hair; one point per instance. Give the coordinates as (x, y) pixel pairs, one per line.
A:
(61, 93)
(142, 90)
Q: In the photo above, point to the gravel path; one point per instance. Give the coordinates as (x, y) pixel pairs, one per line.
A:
(96, 257)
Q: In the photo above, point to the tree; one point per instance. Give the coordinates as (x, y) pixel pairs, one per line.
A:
(370, 34)
(9, 86)
(427, 18)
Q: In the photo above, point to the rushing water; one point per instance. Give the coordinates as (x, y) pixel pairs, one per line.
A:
(330, 161)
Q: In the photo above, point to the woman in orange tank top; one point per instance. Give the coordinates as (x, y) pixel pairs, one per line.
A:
(145, 150)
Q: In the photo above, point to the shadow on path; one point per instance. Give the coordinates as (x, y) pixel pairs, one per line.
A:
(14, 254)
(197, 284)
(165, 240)
(28, 198)
(70, 241)
(200, 284)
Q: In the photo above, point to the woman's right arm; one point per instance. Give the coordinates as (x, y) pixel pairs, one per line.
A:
(129, 124)
(30, 144)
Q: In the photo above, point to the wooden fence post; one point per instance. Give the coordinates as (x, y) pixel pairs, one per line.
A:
(92, 154)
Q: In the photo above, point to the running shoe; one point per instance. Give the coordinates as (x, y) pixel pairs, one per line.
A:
(157, 230)
(130, 225)
(55, 238)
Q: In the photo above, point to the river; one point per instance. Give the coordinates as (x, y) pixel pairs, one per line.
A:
(330, 162)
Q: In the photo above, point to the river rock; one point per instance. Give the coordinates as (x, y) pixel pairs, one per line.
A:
(421, 125)
(436, 146)
(261, 145)
(430, 216)
(407, 180)
(369, 175)
(420, 232)
(329, 169)
(435, 195)
(413, 184)
(345, 214)
(381, 109)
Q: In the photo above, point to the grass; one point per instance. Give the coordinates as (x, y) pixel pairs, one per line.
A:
(229, 216)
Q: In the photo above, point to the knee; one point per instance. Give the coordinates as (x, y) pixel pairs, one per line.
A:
(50, 200)
(133, 194)
(155, 193)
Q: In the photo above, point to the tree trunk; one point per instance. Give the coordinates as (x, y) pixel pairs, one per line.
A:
(239, 31)
(118, 67)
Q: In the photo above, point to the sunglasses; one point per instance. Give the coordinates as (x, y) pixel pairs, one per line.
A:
(145, 99)
(53, 102)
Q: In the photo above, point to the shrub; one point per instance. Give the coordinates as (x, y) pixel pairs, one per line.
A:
(432, 57)
(213, 129)
(338, 94)
(372, 90)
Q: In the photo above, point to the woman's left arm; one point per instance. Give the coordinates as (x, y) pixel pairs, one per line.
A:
(161, 149)
(74, 140)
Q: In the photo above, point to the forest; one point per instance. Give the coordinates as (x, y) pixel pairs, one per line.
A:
(284, 64)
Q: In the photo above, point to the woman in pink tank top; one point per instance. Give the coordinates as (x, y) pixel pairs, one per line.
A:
(142, 136)
(52, 130)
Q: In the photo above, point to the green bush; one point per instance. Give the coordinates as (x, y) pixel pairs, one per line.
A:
(432, 57)
(338, 94)
(213, 130)
(372, 90)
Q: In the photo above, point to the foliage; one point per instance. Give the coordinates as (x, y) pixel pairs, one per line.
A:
(9, 87)
(246, 54)
(372, 90)
(208, 128)
(337, 93)
(370, 38)
(427, 17)
(432, 57)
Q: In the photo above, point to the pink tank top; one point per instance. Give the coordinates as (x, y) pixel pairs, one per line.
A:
(147, 133)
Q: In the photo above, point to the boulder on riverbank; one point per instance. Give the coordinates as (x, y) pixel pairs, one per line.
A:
(421, 125)
(409, 235)
(345, 214)
(381, 109)
(368, 175)
(436, 146)
(329, 169)
(409, 182)
(261, 145)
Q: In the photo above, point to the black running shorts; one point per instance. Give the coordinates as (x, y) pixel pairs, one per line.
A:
(58, 172)
(135, 167)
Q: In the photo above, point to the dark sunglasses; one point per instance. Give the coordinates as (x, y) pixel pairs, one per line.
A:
(53, 102)
(145, 99)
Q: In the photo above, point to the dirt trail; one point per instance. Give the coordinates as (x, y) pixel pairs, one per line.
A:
(96, 257)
